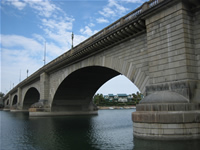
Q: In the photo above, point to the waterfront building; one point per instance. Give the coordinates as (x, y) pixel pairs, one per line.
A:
(118, 98)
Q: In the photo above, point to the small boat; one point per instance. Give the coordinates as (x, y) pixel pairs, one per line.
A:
(111, 108)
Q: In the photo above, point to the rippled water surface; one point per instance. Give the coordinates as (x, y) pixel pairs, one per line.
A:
(110, 130)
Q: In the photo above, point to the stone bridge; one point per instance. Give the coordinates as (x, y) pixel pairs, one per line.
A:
(156, 46)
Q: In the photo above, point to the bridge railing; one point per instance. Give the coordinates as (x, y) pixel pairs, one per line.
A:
(131, 16)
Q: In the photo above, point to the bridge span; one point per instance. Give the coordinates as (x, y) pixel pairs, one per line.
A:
(156, 46)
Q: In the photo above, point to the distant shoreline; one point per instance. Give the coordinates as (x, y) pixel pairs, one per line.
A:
(116, 107)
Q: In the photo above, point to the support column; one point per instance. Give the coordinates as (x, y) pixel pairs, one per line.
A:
(19, 101)
(9, 101)
(43, 105)
(44, 86)
(19, 105)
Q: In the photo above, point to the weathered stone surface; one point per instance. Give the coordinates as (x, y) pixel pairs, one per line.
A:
(166, 131)
(166, 116)
(168, 107)
(164, 97)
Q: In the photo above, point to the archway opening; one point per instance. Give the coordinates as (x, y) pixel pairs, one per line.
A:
(14, 100)
(119, 92)
(117, 85)
(77, 89)
(32, 96)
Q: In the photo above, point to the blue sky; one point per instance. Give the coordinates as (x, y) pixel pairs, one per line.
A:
(27, 24)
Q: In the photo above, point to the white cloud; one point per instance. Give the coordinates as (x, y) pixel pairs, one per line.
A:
(87, 31)
(112, 9)
(39, 37)
(102, 20)
(57, 25)
(107, 12)
(120, 8)
(43, 8)
(22, 53)
(16, 3)
(12, 62)
(91, 24)
(16, 41)
(134, 1)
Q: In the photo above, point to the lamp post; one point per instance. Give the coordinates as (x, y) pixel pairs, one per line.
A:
(72, 39)
(27, 73)
(20, 75)
(44, 53)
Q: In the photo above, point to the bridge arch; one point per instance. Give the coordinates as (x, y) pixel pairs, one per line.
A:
(136, 72)
(78, 88)
(6, 102)
(32, 96)
(14, 100)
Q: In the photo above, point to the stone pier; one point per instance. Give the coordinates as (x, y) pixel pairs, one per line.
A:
(166, 115)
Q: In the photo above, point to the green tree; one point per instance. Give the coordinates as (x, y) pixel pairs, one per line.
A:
(1, 95)
(137, 97)
(98, 98)
(1, 99)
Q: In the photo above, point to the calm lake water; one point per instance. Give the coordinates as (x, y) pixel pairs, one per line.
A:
(110, 130)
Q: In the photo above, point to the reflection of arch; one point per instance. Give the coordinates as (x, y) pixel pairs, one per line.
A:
(80, 86)
(15, 99)
(32, 96)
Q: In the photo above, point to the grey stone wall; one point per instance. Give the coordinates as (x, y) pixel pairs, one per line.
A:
(196, 31)
(171, 50)
(44, 86)
(171, 54)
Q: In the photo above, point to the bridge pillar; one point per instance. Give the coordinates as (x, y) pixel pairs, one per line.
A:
(44, 86)
(7, 103)
(171, 108)
(166, 115)
(19, 101)
(43, 105)
(18, 106)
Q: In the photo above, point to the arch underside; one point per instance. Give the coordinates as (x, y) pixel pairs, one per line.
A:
(78, 89)
(14, 100)
(32, 96)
